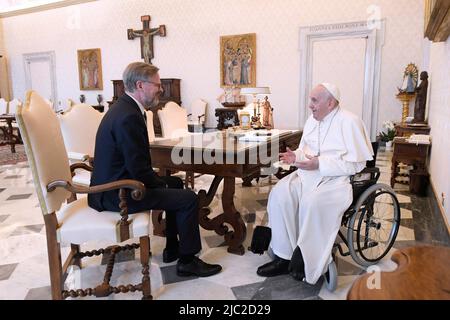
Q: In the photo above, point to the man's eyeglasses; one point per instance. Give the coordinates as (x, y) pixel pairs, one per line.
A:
(158, 84)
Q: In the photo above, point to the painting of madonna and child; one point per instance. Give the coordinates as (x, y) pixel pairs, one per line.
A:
(238, 60)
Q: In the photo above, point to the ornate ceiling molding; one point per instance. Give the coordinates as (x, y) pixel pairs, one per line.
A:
(15, 10)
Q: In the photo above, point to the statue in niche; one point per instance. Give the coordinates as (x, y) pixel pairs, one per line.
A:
(410, 76)
(421, 99)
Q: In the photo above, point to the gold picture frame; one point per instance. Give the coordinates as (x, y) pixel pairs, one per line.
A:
(245, 120)
(238, 60)
(90, 69)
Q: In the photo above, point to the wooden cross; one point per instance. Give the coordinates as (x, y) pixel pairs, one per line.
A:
(146, 35)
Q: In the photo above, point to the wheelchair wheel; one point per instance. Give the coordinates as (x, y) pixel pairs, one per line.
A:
(331, 276)
(374, 226)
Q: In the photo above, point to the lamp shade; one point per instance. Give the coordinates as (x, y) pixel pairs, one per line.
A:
(255, 91)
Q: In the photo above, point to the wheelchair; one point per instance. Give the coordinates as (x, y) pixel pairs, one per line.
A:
(371, 222)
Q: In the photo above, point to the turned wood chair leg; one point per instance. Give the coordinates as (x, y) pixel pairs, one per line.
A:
(145, 261)
(76, 250)
(54, 257)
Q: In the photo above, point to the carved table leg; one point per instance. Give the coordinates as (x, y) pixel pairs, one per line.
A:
(247, 181)
(233, 217)
(233, 239)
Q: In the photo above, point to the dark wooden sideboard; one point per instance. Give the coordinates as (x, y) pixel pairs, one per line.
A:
(171, 92)
(405, 130)
(409, 154)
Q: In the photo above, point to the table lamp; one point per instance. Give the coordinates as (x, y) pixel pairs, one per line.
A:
(255, 91)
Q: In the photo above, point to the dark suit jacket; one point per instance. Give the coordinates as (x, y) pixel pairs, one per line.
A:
(121, 152)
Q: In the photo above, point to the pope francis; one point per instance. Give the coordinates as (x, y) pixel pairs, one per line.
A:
(305, 208)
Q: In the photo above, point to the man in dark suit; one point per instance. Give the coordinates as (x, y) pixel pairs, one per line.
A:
(122, 152)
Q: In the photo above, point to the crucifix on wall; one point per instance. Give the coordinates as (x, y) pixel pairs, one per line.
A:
(146, 35)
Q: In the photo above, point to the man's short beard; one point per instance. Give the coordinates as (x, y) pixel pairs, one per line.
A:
(153, 103)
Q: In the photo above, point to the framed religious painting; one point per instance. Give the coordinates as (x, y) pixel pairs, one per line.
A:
(238, 60)
(90, 69)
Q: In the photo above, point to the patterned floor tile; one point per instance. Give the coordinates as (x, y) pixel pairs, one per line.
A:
(286, 288)
(13, 177)
(121, 256)
(6, 271)
(43, 293)
(19, 196)
(249, 217)
(27, 230)
(348, 269)
(262, 202)
(169, 275)
(215, 241)
(409, 223)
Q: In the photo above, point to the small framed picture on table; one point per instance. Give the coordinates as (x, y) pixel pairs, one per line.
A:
(245, 120)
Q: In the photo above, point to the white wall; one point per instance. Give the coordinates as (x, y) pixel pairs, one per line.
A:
(2, 46)
(439, 120)
(191, 49)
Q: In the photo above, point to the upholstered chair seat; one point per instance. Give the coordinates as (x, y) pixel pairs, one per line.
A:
(73, 226)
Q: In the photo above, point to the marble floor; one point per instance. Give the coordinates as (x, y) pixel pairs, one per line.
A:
(24, 270)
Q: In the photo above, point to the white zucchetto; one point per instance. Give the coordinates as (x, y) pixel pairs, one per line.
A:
(333, 89)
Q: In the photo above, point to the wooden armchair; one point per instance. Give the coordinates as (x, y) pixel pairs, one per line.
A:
(79, 125)
(198, 114)
(75, 222)
(174, 124)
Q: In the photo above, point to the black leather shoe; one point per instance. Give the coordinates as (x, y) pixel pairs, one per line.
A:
(297, 265)
(197, 268)
(274, 268)
(170, 256)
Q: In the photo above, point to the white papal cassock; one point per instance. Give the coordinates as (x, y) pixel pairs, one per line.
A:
(306, 207)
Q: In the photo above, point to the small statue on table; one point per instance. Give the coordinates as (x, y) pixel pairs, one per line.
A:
(421, 99)
(267, 114)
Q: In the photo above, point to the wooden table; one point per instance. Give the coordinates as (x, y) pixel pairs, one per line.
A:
(227, 159)
(410, 154)
(8, 132)
(423, 273)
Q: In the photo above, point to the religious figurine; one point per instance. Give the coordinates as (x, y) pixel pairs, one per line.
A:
(409, 79)
(421, 99)
(267, 114)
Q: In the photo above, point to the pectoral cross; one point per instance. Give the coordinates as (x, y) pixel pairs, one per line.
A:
(146, 35)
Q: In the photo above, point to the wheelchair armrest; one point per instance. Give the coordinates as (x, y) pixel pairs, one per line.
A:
(374, 174)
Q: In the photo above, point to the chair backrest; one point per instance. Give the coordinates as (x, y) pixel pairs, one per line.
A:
(79, 125)
(3, 106)
(49, 102)
(12, 106)
(150, 129)
(198, 109)
(46, 153)
(173, 119)
(371, 163)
